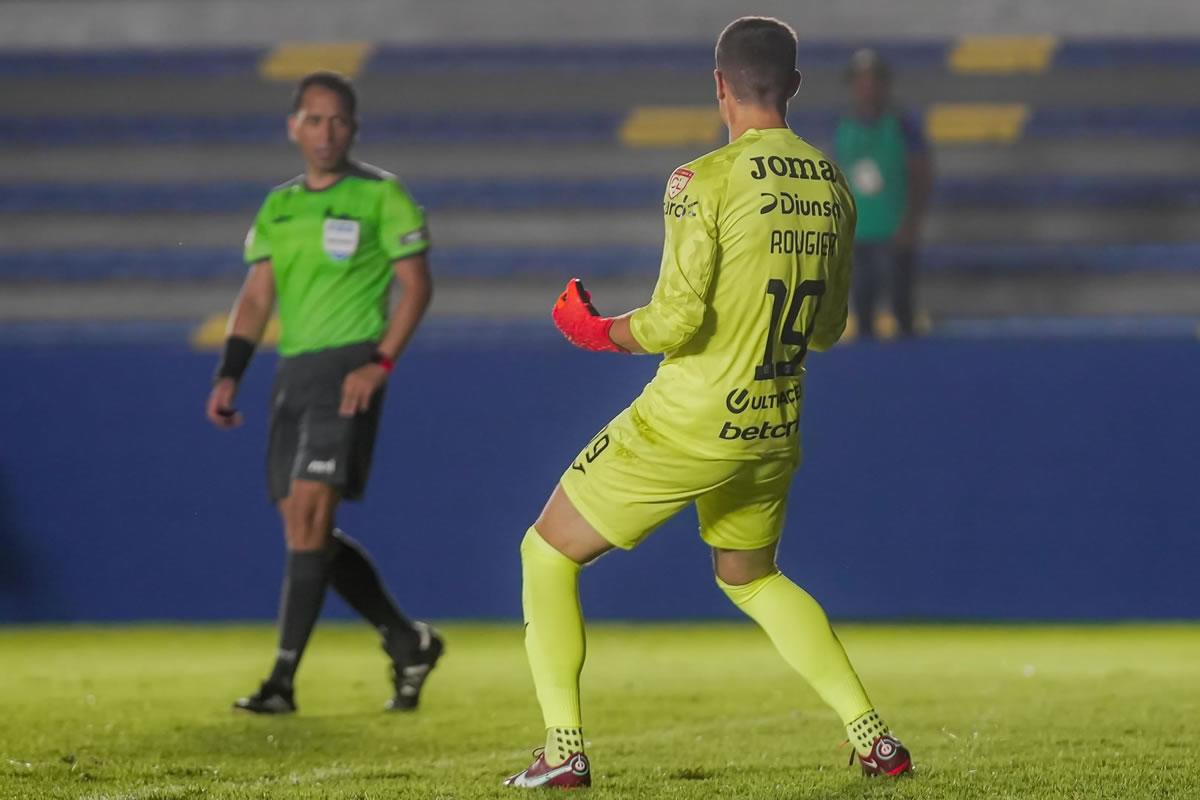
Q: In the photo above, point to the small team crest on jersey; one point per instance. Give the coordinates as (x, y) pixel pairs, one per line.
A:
(679, 181)
(340, 238)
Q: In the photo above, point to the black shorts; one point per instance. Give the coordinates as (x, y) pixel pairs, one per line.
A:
(309, 439)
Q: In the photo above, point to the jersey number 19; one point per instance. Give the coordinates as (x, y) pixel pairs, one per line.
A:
(789, 336)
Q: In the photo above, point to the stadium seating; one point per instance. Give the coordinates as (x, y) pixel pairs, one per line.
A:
(141, 168)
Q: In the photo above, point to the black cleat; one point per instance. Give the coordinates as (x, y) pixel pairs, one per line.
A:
(270, 698)
(409, 673)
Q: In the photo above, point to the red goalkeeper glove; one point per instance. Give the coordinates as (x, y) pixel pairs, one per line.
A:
(579, 321)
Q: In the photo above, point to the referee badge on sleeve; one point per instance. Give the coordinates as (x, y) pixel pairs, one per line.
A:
(340, 238)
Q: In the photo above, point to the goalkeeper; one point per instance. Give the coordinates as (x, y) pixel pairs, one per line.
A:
(755, 272)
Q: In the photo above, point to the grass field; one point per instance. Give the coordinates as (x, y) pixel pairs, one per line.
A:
(673, 712)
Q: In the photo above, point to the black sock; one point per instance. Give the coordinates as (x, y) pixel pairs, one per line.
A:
(356, 579)
(303, 592)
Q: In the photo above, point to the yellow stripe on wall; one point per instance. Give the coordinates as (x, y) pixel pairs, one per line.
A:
(290, 61)
(210, 334)
(958, 123)
(1003, 54)
(663, 126)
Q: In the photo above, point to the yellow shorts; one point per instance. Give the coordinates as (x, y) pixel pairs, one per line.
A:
(628, 481)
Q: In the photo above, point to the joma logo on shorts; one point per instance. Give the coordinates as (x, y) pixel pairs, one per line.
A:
(322, 467)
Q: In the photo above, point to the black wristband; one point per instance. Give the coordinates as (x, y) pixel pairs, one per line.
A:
(236, 358)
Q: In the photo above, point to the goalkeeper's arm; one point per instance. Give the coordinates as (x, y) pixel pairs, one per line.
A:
(661, 326)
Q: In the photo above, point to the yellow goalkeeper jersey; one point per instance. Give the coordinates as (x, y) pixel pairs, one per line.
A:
(755, 272)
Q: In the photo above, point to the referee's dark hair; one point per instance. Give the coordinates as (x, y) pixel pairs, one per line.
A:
(338, 84)
(757, 58)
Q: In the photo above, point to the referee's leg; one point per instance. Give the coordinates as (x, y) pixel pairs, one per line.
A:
(307, 513)
(307, 510)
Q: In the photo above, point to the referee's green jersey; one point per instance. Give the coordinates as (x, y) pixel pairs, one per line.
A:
(331, 253)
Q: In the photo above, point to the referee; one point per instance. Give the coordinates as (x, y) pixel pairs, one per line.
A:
(326, 246)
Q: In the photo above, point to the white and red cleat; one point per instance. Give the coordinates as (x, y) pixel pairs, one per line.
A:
(574, 773)
(887, 757)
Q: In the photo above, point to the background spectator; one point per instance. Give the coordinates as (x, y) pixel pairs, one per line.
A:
(886, 159)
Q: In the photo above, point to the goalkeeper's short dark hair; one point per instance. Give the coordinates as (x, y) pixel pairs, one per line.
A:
(757, 57)
(334, 82)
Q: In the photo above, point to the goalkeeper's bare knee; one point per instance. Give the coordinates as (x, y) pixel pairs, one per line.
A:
(740, 567)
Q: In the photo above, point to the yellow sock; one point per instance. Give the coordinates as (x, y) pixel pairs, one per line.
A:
(863, 731)
(562, 743)
(800, 631)
(554, 640)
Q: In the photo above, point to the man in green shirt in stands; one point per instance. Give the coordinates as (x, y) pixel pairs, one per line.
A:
(886, 160)
(326, 247)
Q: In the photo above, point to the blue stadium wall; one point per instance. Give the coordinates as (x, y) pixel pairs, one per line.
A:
(944, 479)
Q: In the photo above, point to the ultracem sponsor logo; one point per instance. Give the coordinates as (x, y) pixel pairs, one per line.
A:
(739, 400)
(683, 207)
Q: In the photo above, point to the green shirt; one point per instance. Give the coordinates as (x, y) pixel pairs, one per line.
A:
(331, 253)
(875, 157)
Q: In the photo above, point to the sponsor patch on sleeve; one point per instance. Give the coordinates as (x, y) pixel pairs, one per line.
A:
(678, 182)
(414, 237)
